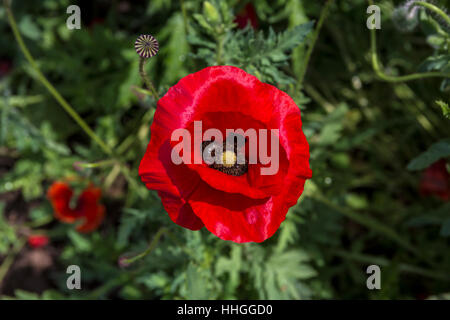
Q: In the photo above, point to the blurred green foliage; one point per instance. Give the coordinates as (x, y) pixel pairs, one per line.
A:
(366, 138)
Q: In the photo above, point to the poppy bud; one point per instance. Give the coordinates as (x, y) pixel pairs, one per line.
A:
(211, 12)
(123, 262)
(406, 17)
(146, 46)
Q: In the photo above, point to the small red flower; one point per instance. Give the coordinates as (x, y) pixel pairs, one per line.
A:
(87, 208)
(247, 15)
(37, 241)
(5, 67)
(95, 21)
(436, 181)
(234, 202)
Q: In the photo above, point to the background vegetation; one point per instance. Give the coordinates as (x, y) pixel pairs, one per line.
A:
(371, 134)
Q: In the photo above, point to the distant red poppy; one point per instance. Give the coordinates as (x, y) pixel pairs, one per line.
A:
(95, 21)
(87, 208)
(5, 67)
(436, 181)
(235, 202)
(247, 15)
(37, 241)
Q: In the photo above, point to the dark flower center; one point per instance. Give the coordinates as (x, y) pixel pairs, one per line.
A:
(229, 157)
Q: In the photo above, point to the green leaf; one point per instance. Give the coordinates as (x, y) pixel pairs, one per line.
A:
(356, 201)
(293, 37)
(288, 232)
(445, 108)
(437, 151)
(232, 266)
(202, 22)
(174, 51)
(436, 40)
(196, 284)
(435, 63)
(80, 242)
(25, 295)
(29, 28)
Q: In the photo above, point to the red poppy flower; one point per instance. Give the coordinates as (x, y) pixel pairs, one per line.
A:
(235, 203)
(247, 15)
(87, 208)
(436, 181)
(37, 241)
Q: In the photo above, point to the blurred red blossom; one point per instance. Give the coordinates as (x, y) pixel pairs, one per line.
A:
(5, 67)
(87, 207)
(436, 181)
(37, 241)
(247, 15)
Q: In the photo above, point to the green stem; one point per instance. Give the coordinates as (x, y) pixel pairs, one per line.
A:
(162, 231)
(432, 7)
(219, 49)
(130, 140)
(369, 223)
(66, 106)
(41, 222)
(4, 267)
(314, 38)
(146, 79)
(150, 248)
(128, 276)
(126, 173)
(142, 91)
(109, 285)
(185, 19)
(98, 164)
(112, 176)
(377, 65)
(315, 95)
(403, 267)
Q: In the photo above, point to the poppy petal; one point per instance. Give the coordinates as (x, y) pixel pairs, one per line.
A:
(60, 195)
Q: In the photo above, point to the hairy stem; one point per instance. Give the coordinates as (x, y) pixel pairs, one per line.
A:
(369, 223)
(219, 49)
(184, 13)
(433, 8)
(146, 79)
(382, 75)
(99, 164)
(150, 248)
(162, 231)
(8, 261)
(314, 38)
(66, 106)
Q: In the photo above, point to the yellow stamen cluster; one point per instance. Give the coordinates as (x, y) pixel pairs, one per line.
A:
(228, 158)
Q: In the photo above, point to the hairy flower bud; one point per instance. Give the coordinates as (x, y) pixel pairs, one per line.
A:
(211, 12)
(406, 17)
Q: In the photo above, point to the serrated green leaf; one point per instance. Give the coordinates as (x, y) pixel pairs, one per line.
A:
(437, 151)
(435, 63)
